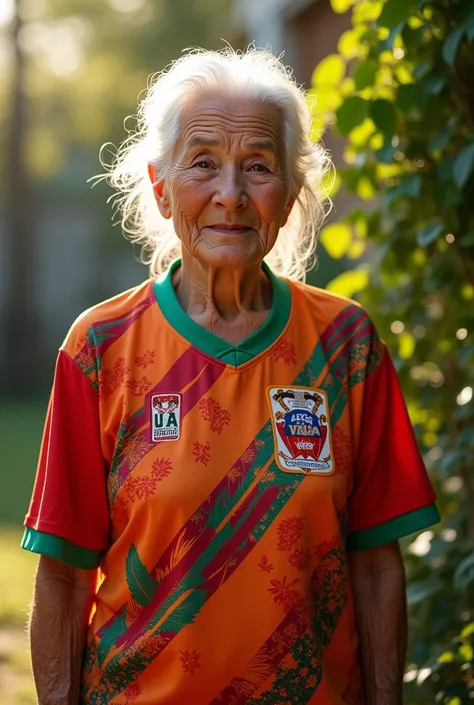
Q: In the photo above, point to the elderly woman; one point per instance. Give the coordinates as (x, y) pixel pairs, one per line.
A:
(227, 461)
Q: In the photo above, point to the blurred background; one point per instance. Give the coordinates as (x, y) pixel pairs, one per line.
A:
(387, 79)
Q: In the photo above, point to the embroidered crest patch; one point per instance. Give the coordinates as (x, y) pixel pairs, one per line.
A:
(165, 417)
(301, 430)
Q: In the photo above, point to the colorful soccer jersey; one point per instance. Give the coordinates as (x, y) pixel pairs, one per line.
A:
(219, 488)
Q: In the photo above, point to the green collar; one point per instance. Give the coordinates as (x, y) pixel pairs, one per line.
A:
(211, 344)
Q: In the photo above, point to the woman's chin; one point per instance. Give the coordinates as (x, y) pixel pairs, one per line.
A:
(231, 256)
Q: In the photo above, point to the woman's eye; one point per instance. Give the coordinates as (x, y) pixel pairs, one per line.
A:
(202, 164)
(259, 168)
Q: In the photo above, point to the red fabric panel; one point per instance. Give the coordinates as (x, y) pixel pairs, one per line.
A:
(390, 477)
(70, 493)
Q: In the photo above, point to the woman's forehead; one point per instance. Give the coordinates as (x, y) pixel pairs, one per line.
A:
(212, 117)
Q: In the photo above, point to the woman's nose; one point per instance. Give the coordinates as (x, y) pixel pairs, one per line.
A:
(230, 192)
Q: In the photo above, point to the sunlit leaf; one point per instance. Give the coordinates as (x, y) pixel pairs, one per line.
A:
(446, 657)
(366, 10)
(329, 72)
(336, 239)
(357, 249)
(327, 99)
(341, 6)
(347, 87)
(406, 345)
(467, 631)
(365, 189)
(360, 134)
(404, 76)
(349, 45)
(350, 283)
(466, 652)
(376, 141)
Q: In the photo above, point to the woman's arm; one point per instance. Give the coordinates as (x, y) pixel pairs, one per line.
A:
(62, 602)
(378, 585)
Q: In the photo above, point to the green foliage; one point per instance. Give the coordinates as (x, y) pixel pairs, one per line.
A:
(405, 103)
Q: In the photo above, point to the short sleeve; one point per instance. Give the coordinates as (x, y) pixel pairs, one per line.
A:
(392, 495)
(68, 517)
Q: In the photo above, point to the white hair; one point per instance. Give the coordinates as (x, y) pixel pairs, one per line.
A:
(255, 74)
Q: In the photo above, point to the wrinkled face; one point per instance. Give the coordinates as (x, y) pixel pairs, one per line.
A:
(227, 192)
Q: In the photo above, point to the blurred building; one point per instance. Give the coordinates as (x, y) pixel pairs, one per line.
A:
(306, 31)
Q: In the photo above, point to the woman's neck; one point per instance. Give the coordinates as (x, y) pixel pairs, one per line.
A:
(231, 303)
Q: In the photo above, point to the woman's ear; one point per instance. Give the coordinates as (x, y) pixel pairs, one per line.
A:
(288, 207)
(160, 192)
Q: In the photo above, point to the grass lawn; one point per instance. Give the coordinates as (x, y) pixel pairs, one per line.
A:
(21, 427)
(16, 580)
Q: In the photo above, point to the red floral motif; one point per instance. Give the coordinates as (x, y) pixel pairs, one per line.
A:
(284, 593)
(212, 411)
(120, 513)
(132, 692)
(201, 452)
(111, 378)
(148, 358)
(139, 386)
(289, 532)
(326, 547)
(140, 487)
(161, 468)
(190, 661)
(81, 342)
(285, 351)
(299, 559)
(342, 451)
(120, 369)
(265, 565)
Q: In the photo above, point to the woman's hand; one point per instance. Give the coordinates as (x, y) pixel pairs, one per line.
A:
(62, 602)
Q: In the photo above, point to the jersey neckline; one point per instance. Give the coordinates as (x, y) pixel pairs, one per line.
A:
(202, 339)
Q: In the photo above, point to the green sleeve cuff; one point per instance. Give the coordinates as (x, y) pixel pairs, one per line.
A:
(394, 529)
(62, 549)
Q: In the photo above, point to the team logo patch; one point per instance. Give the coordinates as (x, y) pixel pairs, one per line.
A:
(165, 417)
(301, 430)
